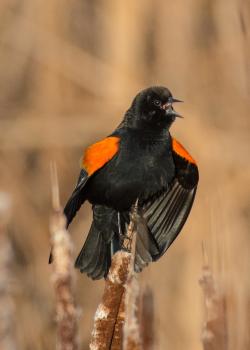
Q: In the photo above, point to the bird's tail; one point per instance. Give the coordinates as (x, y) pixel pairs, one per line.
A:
(104, 239)
(101, 243)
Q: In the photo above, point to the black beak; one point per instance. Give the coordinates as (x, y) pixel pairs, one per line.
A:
(175, 100)
(170, 111)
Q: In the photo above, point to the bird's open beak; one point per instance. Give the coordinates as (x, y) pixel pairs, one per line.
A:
(169, 108)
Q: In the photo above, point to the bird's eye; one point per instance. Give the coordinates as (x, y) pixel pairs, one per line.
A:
(157, 102)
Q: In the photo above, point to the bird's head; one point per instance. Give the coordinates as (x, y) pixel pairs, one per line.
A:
(153, 107)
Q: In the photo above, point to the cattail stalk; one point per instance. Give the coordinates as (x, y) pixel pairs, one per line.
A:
(146, 317)
(66, 312)
(131, 330)
(7, 336)
(121, 289)
(110, 311)
(214, 333)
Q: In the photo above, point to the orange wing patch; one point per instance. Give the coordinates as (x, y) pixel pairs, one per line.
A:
(181, 151)
(99, 154)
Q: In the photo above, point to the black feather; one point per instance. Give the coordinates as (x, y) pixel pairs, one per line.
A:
(77, 198)
(95, 255)
(165, 223)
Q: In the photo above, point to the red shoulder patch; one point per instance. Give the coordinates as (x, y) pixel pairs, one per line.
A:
(181, 151)
(99, 154)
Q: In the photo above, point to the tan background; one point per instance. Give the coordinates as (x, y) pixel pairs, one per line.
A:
(68, 71)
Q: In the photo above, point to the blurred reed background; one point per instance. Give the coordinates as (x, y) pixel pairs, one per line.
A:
(68, 72)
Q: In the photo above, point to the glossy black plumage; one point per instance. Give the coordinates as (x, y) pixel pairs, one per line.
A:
(147, 165)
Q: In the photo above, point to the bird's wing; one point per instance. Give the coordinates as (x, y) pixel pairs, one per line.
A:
(94, 158)
(167, 213)
(77, 198)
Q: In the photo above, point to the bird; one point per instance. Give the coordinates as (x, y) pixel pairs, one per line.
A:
(139, 162)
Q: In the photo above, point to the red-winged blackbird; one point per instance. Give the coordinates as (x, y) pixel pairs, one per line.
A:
(139, 160)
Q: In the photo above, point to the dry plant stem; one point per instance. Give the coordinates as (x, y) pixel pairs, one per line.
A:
(146, 317)
(66, 313)
(129, 242)
(109, 318)
(106, 319)
(118, 331)
(7, 337)
(131, 330)
(214, 334)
